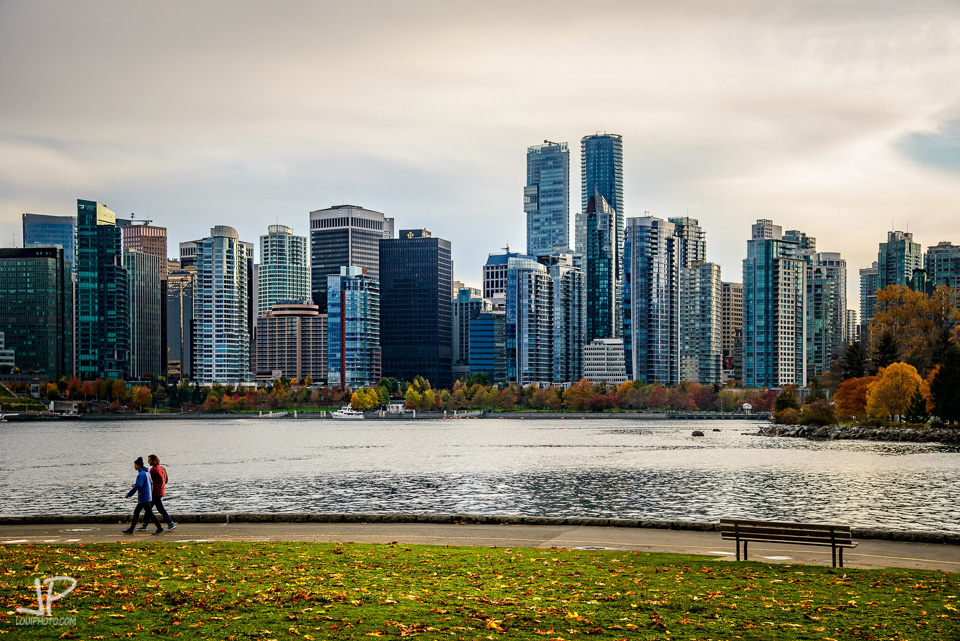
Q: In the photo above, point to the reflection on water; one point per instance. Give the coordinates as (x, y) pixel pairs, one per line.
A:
(617, 468)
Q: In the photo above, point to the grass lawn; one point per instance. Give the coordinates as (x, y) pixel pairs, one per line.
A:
(322, 591)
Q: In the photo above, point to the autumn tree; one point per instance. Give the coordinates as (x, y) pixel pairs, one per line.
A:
(851, 396)
(914, 320)
(142, 397)
(890, 395)
(212, 403)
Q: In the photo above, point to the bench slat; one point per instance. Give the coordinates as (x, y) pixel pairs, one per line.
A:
(813, 534)
(793, 539)
(785, 524)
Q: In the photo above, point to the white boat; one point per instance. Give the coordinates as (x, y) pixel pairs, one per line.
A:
(347, 412)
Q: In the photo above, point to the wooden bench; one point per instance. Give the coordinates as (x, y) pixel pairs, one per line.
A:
(836, 537)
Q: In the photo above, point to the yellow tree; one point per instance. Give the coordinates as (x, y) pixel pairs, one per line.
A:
(891, 395)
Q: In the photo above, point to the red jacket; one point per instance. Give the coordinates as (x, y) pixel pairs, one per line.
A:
(159, 477)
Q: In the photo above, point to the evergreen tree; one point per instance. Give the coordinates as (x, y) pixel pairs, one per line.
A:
(786, 400)
(853, 364)
(941, 345)
(816, 392)
(917, 412)
(944, 388)
(886, 350)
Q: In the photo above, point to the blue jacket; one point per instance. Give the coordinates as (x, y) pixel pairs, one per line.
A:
(144, 487)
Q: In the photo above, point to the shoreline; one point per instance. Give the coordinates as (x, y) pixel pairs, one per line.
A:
(945, 435)
(372, 416)
(913, 536)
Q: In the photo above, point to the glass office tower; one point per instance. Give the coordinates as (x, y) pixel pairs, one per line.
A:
(602, 262)
(546, 198)
(60, 231)
(353, 328)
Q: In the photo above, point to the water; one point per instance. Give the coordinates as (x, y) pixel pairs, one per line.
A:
(609, 468)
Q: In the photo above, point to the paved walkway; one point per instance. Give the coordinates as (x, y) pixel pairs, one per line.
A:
(869, 553)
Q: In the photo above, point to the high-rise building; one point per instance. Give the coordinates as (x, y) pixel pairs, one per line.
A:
(145, 273)
(353, 328)
(651, 301)
(221, 309)
(143, 237)
(284, 270)
(8, 357)
(495, 273)
(468, 303)
(731, 320)
(546, 198)
(488, 345)
(691, 241)
(942, 263)
(774, 309)
(36, 309)
(700, 326)
(292, 341)
(897, 259)
(869, 284)
(416, 321)
(180, 286)
(853, 326)
(529, 322)
(40, 230)
(600, 242)
(102, 298)
(188, 254)
(342, 236)
(827, 335)
(569, 302)
(597, 239)
(603, 361)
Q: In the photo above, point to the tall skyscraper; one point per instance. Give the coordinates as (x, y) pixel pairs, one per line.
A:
(495, 273)
(284, 271)
(221, 312)
(597, 243)
(601, 195)
(180, 287)
(774, 309)
(36, 309)
(529, 322)
(827, 335)
(942, 263)
(103, 312)
(416, 320)
(869, 284)
(488, 345)
(142, 236)
(353, 328)
(467, 305)
(897, 259)
(569, 302)
(145, 273)
(546, 198)
(342, 236)
(292, 341)
(731, 322)
(59, 231)
(700, 326)
(652, 301)
(691, 241)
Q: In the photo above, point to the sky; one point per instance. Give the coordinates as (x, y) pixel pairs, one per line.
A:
(838, 118)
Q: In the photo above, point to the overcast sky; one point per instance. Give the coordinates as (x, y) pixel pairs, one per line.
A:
(841, 119)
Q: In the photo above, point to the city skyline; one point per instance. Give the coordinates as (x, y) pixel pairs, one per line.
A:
(838, 120)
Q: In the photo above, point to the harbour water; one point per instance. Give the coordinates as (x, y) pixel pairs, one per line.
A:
(612, 468)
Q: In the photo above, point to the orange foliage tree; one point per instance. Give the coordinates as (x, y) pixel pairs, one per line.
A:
(851, 396)
(891, 394)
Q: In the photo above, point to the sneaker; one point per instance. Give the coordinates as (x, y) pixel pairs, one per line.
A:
(143, 528)
(128, 531)
(160, 531)
(171, 526)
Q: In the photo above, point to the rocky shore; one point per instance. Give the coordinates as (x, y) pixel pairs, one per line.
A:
(898, 434)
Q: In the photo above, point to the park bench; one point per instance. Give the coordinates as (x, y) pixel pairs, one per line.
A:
(836, 537)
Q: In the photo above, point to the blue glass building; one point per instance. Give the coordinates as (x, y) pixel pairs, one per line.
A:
(353, 328)
(60, 231)
(488, 345)
(546, 198)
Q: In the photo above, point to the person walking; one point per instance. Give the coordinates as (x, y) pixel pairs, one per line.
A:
(158, 476)
(143, 488)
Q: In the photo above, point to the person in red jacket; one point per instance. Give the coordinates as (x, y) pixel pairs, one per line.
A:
(159, 477)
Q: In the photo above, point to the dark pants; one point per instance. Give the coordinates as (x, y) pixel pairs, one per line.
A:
(158, 504)
(147, 517)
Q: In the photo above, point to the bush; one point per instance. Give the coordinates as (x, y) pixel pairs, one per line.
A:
(788, 416)
(818, 413)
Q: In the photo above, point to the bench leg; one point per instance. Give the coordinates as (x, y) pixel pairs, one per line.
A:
(841, 557)
(833, 550)
(745, 550)
(738, 548)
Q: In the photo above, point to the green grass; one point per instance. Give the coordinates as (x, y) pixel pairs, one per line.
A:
(320, 591)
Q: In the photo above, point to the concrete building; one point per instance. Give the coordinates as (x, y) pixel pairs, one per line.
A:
(221, 309)
(292, 341)
(141, 236)
(180, 287)
(731, 320)
(147, 291)
(342, 236)
(651, 301)
(353, 328)
(102, 297)
(283, 273)
(36, 309)
(546, 198)
(853, 326)
(700, 325)
(603, 361)
(40, 230)
(827, 334)
(495, 273)
(942, 264)
(569, 303)
(774, 309)
(869, 284)
(416, 320)
(897, 259)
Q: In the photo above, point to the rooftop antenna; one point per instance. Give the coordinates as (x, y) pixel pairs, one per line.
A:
(507, 248)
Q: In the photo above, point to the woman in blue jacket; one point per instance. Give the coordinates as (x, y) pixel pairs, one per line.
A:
(144, 490)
